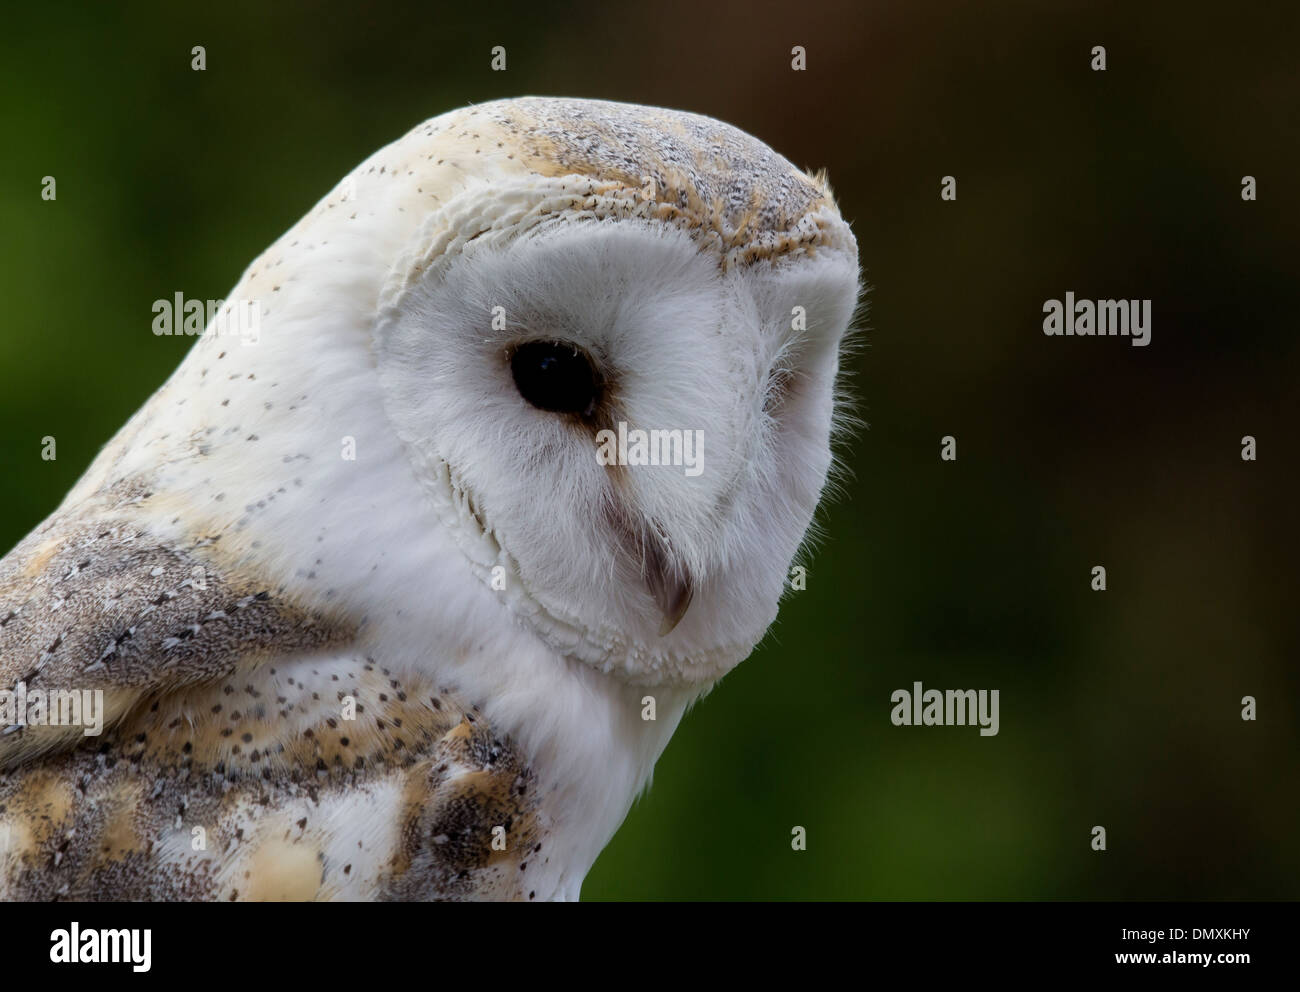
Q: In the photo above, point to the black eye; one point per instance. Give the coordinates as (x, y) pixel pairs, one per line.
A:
(555, 376)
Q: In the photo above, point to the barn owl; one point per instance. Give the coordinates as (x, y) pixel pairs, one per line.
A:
(367, 612)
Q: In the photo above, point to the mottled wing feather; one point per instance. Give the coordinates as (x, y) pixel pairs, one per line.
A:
(249, 751)
(91, 600)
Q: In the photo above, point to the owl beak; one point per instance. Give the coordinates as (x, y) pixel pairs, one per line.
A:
(667, 579)
(670, 584)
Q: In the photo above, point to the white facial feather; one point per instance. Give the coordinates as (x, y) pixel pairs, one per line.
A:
(475, 547)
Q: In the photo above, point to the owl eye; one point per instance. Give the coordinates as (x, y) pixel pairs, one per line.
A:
(555, 376)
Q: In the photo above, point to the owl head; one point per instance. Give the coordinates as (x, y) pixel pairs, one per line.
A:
(611, 354)
(609, 346)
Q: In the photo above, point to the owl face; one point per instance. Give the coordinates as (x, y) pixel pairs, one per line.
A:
(622, 407)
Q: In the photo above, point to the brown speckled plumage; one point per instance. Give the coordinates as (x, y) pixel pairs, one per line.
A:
(225, 702)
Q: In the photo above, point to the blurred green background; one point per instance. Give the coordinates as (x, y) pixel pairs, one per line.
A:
(1119, 708)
